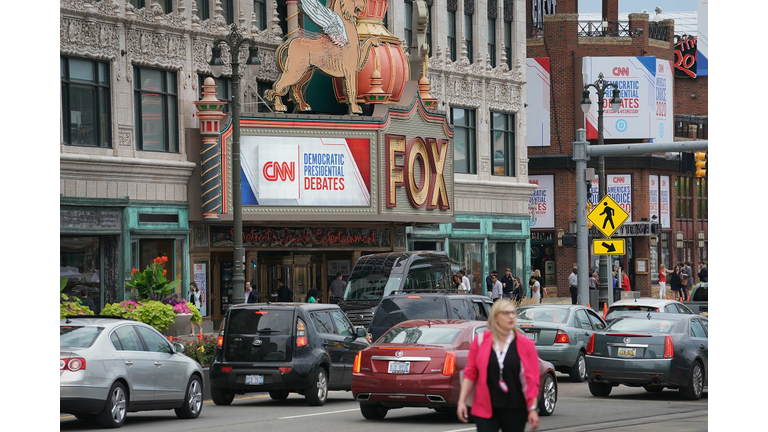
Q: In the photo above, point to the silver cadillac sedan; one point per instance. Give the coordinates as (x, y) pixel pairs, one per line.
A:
(110, 366)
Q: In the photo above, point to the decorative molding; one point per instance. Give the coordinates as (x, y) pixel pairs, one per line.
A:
(509, 7)
(493, 9)
(469, 7)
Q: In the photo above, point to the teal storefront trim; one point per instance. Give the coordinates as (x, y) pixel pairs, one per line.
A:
(507, 235)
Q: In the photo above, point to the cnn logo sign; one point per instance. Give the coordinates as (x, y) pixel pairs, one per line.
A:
(620, 71)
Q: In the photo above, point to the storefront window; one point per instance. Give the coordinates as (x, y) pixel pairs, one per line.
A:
(469, 256)
(80, 263)
(146, 250)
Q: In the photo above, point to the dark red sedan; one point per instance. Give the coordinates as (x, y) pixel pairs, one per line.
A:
(420, 363)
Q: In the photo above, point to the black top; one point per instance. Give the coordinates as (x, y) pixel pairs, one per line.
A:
(514, 398)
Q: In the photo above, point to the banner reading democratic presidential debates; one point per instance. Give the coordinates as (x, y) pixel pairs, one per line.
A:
(645, 85)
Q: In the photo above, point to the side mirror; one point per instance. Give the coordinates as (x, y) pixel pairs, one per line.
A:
(361, 332)
(178, 348)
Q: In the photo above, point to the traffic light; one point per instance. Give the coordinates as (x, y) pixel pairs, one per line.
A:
(701, 164)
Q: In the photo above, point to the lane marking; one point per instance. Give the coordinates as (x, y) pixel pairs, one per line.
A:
(462, 430)
(317, 414)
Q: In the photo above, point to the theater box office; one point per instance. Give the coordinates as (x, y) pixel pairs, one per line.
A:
(318, 192)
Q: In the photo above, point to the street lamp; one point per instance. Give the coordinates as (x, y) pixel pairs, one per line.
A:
(234, 40)
(601, 86)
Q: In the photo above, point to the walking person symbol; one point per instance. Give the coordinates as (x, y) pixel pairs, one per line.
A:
(608, 212)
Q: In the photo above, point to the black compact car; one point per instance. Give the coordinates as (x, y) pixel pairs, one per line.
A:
(307, 348)
(397, 308)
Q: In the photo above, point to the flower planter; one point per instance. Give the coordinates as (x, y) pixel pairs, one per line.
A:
(179, 326)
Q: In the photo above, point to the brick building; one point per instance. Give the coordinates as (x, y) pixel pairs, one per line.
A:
(667, 201)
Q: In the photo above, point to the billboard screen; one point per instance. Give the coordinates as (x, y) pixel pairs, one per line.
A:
(305, 171)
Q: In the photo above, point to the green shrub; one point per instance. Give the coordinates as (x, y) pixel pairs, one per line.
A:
(157, 314)
(201, 350)
(123, 309)
(71, 308)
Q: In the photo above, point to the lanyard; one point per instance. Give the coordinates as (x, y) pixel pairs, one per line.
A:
(500, 358)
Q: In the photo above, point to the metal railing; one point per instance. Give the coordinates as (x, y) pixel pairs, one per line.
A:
(535, 30)
(691, 126)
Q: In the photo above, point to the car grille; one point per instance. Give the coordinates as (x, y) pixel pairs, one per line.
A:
(360, 318)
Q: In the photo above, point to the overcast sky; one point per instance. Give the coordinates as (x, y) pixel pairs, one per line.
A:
(595, 6)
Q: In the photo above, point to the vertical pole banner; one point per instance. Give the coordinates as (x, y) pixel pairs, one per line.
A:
(200, 279)
(663, 128)
(538, 99)
(664, 202)
(544, 199)
(653, 197)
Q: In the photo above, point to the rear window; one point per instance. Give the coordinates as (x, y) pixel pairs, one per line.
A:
(620, 311)
(645, 325)
(78, 336)
(397, 310)
(272, 321)
(553, 315)
(421, 335)
(700, 294)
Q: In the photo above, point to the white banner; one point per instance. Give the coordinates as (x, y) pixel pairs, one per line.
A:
(618, 186)
(200, 279)
(544, 200)
(653, 197)
(538, 99)
(663, 128)
(664, 202)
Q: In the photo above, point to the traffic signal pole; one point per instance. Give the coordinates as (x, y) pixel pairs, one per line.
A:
(581, 153)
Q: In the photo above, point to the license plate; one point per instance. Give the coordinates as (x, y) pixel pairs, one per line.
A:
(531, 336)
(397, 367)
(254, 379)
(626, 352)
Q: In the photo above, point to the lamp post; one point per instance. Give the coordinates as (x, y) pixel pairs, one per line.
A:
(601, 86)
(234, 40)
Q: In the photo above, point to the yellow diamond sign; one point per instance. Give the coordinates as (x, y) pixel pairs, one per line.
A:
(607, 216)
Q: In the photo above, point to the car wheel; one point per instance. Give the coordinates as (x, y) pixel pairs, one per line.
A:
(222, 396)
(695, 383)
(578, 372)
(548, 397)
(279, 394)
(653, 389)
(599, 389)
(113, 415)
(373, 412)
(317, 393)
(193, 400)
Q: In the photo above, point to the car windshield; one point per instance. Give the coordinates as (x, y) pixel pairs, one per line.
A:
(645, 325)
(393, 311)
(78, 336)
(426, 334)
(249, 321)
(620, 311)
(543, 314)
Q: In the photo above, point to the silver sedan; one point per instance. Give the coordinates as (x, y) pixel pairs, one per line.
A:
(111, 366)
(561, 333)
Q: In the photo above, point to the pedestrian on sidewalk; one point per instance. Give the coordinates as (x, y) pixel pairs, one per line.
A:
(573, 281)
(535, 290)
(663, 281)
(498, 289)
(465, 281)
(674, 282)
(686, 273)
(593, 281)
(337, 288)
(537, 276)
(194, 298)
(703, 271)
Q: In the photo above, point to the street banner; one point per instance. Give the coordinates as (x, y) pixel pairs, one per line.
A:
(201, 276)
(663, 126)
(538, 100)
(305, 171)
(635, 78)
(664, 202)
(543, 199)
(653, 197)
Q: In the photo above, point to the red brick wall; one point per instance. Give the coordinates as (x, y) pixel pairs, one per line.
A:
(685, 89)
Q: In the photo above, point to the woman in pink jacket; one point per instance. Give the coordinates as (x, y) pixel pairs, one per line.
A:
(503, 371)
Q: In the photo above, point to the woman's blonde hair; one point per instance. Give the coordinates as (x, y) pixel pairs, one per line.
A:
(496, 309)
(537, 273)
(662, 267)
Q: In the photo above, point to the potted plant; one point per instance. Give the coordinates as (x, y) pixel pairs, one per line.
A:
(70, 306)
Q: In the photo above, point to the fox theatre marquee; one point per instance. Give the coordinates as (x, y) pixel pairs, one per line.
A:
(320, 191)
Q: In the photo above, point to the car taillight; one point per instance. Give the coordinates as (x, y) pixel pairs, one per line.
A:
(72, 364)
(358, 360)
(450, 363)
(591, 345)
(301, 333)
(220, 341)
(226, 369)
(285, 369)
(562, 337)
(669, 348)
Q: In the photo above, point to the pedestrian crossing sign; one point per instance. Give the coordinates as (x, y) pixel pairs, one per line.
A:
(607, 216)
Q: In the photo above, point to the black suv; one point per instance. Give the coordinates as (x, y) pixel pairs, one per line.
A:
(283, 348)
(397, 308)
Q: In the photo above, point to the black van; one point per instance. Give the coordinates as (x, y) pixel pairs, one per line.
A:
(379, 275)
(307, 348)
